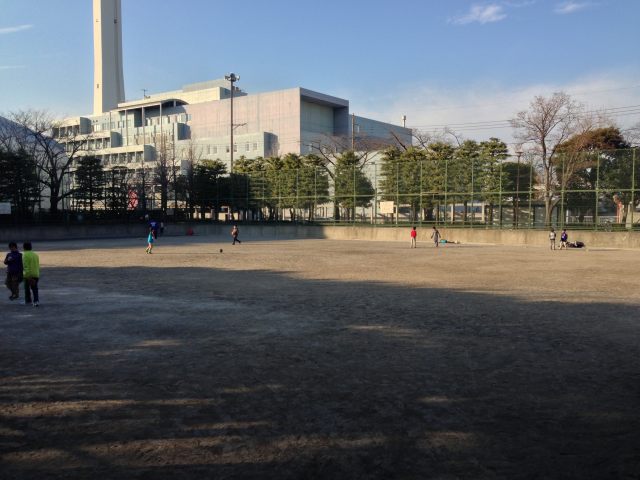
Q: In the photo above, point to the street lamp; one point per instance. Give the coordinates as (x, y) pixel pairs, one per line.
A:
(519, 153)
(232, 78)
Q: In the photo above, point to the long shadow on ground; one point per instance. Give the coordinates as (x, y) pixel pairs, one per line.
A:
(201, 373)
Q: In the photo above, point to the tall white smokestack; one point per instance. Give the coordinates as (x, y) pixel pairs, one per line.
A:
(108, 77)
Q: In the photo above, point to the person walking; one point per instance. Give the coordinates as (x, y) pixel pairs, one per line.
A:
(150, 240)
(234, 234)
(414, 235)
(13, 261)
(552, 239)
(435, 234)
(564, 237)
(31, 274)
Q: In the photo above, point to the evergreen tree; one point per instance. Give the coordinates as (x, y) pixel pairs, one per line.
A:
(89, 182)
(19, 183)
(351, 186)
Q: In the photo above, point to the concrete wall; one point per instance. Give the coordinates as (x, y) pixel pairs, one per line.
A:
(284, 231)
(478, 235)
(37, 233)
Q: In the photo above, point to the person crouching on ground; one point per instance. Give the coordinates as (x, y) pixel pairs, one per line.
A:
(414, 235)
(13, 261)
(31, 274)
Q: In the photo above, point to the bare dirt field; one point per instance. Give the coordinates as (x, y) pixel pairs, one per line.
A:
(322, 359)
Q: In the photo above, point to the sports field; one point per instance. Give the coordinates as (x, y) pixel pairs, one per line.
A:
(322, 359)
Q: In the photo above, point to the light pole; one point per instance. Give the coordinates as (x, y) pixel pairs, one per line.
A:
(519, 154)
(232, 78)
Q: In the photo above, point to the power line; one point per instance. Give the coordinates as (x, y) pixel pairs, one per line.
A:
(614, 111)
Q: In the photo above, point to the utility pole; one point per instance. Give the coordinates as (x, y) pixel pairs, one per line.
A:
(353, 132)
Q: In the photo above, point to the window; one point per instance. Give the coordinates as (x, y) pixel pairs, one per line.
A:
(235, 147)
(255, 146)
(227, 148)
(215, 149)
(246, 147)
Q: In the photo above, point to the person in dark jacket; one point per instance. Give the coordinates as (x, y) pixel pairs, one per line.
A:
(13, 261)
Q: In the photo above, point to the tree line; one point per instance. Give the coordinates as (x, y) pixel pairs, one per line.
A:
(571, 158)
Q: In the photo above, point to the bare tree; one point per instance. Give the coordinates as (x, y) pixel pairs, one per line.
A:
(52, 144)
(164, 168)
(191, 156)
(632, 135)
(547, 123)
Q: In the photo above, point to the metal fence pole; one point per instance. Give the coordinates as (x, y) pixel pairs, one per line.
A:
(562, 185)
(633, 185)
(595, 213)
(500, 198)
(472, 189)
(446, 189)
(531, 216)
(353, 220)
(397, 191)
(375, 190)
(420, 212)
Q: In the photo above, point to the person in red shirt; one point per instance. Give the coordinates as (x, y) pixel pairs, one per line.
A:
(414, 235)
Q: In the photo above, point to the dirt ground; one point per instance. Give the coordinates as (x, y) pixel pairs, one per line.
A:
(322, 359)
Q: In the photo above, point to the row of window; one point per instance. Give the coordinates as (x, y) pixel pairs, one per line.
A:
(165, 120)
(213, 149)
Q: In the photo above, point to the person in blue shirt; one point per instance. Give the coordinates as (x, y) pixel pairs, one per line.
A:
(13, 261)
(150, 239)
(563, 239)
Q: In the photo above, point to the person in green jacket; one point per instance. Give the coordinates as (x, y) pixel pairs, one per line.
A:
(31, 273)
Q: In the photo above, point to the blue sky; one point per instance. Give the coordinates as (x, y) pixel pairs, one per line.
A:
(438, 62)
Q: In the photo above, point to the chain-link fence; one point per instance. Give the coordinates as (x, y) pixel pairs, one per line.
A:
(588, 190)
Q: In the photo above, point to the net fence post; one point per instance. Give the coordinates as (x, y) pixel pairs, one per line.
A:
(420, 206)
(531, 216)
(375, 198)
(446, 189)
(595, 213)
(633, 185)
(562, 189)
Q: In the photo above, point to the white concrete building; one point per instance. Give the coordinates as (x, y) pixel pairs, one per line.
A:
(130, 133)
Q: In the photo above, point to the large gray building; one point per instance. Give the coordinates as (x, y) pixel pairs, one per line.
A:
(131, 133)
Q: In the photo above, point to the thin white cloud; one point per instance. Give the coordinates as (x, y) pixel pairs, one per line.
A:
(482, 14)
(11, 67)
(482, 110)
(18, 28)
(565, 8)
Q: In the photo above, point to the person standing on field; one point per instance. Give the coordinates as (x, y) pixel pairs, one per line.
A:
(414, 235)
(563, 239)
(150, 240)
(234, 234)
(436, 236)
(13, 261)
(31, 274)
(552, 239)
